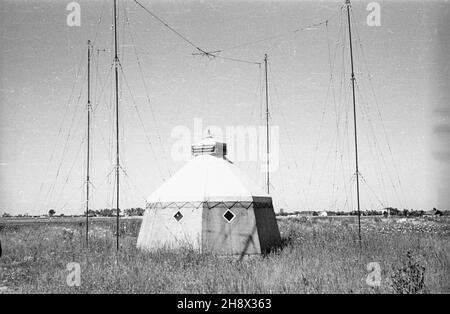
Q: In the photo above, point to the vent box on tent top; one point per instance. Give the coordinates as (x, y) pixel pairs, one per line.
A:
(209, 146)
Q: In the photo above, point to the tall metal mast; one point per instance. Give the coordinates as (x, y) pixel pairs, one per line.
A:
(267, 124)
(88, 138)
(116, 65)
(347, 2)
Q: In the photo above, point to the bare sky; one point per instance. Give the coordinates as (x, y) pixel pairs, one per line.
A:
(402, 99)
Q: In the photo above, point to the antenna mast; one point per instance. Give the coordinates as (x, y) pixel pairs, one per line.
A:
(88, 138)
(267, 123)
(116, 64)
(347, 2)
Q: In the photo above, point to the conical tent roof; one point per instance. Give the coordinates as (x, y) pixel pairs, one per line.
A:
(207, 178)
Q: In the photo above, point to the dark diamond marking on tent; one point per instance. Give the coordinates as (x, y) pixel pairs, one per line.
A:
(229, 216)
(178, 216)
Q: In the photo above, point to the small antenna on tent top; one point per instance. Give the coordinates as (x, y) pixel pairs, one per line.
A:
(210, 134)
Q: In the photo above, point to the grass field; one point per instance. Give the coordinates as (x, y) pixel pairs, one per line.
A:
(319, 255)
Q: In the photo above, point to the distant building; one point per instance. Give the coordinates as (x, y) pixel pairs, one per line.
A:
(391, 211)
(114, 213)
(306, 213)
(433, 212)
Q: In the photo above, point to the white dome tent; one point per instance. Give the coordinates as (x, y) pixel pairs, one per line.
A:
(210, 205)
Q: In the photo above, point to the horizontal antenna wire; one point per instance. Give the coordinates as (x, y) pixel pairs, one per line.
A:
(214, 54)
(171, 28)
(201, 52)
(211, 55)
(304, 28)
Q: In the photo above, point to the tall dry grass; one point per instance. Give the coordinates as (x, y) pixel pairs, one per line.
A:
(318, 256)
